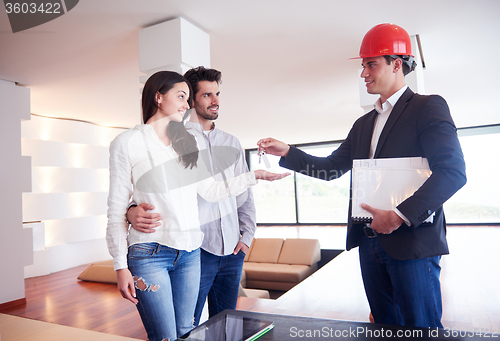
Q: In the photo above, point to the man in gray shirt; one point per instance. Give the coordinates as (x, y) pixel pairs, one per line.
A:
(229, 225)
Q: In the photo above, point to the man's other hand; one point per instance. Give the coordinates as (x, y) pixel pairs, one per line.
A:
(142, 220)
(384, 221)
(240, 246)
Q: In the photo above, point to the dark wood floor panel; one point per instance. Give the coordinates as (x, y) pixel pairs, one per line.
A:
(61, 298)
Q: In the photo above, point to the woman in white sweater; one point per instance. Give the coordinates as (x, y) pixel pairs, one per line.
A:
(157, 162)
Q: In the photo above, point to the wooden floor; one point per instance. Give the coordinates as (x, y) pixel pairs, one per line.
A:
(470, 285)
(61, 298)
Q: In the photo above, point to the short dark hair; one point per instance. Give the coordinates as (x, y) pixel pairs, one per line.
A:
(200, 73)
(407, 61)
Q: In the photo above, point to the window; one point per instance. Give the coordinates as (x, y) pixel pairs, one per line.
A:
(321, 201)
(300, 198)
(479, 200)
(274, 201)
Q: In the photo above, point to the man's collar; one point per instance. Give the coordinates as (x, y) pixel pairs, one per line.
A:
(391, 101)
(394, 98)
(197, 126)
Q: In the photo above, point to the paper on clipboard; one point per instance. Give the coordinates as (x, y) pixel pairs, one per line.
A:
(385, 183)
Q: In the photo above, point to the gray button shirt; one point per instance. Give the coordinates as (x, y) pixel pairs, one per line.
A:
(227, 222)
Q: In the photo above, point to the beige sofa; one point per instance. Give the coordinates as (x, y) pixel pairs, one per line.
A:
(270, 264)
(104, 272)
(278, 264)
(248, 292)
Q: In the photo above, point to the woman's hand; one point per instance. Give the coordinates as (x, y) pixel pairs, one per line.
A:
(126, 285)
(273, 147)
(261, 174)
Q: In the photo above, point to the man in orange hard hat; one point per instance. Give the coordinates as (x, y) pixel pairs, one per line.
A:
(401, 249)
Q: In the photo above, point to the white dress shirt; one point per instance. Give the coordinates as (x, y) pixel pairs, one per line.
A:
(226, 222)
(384, 111)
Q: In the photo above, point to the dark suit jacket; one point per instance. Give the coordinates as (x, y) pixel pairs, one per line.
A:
(417, 126)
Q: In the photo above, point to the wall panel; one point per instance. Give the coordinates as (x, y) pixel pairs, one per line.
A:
(70, 180)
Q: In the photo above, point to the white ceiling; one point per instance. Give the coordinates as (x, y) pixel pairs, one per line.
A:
(285, 63)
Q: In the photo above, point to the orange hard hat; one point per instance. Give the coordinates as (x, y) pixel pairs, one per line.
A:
(385, 39)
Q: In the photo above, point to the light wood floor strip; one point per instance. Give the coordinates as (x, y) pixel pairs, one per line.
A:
(13, 328)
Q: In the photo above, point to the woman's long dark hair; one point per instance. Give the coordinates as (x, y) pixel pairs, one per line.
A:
(183, 142)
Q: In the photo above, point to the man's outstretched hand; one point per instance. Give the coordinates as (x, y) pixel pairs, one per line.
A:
(261, 174)
(273, 147)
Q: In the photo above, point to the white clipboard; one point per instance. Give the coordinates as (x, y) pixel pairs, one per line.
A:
(385, 183)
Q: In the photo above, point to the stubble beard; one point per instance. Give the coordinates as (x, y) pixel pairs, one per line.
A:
(207, 115)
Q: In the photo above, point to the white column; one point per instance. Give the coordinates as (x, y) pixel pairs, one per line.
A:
(16, 243)
(415, 80)
(174, 45)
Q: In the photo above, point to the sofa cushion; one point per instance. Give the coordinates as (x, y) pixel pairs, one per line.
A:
(300, 251)
(247, 256)
(264, 285)
(276, 272)
(256, 293)
(103, 272)
(265, 250)
(243, 280)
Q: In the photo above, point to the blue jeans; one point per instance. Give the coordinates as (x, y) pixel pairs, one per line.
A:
(405, 293)
(167, 283)
(220, 280)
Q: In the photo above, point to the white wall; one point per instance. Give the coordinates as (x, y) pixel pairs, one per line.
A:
(70, 186)
(15, 242)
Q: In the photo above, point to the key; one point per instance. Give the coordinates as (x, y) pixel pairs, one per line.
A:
(263, 156)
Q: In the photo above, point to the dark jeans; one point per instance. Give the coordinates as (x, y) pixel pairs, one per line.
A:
(220, 280)
(405, 293)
